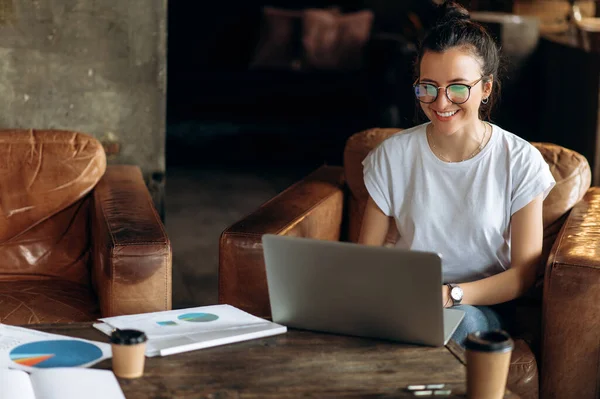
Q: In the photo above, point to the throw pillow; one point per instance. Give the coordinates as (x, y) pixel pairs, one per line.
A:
(335, 41)
(279, 44)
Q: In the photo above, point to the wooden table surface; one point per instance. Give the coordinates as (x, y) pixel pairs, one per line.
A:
(295, 364)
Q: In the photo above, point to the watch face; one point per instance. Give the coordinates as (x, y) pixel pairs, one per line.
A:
(456, 293)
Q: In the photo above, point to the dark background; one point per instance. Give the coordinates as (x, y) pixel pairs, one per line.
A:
(221, 111)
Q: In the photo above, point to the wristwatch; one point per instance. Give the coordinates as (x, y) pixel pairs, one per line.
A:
(456, 294)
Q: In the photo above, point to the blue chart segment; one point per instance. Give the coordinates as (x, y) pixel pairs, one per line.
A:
(56, 353)
(198, 317)
(166, 323)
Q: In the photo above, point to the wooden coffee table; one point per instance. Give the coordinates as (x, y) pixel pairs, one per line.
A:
(295, 364)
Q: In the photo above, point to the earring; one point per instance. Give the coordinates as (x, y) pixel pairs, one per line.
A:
(485, 100)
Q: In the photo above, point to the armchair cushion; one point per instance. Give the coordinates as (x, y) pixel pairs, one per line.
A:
(46, 301)
(573, 177)
(44, 179)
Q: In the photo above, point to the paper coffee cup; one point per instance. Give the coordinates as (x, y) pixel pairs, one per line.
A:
(488, 359)
(128, 353)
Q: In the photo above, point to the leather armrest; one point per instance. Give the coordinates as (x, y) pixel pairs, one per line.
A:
(310, 208)
(131, 259)
(571, 306)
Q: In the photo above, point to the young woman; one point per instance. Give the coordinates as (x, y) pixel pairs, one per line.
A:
(458, 185)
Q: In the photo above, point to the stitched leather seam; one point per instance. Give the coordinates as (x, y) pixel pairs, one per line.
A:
(42, 277)
(562, 235)
(110, 257)
(81, 135)
(580, 181)
(526, 363)
(156, 218)
(220, 288)
(587, 266)
(130, 243)
(577, 174)
(597, 367)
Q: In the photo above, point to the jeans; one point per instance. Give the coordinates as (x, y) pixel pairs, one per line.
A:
(477, 318)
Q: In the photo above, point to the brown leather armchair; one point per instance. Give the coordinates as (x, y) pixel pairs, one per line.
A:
(557, 323)
(78, 240)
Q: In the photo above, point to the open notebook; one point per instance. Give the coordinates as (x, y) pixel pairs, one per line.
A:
(59, 383)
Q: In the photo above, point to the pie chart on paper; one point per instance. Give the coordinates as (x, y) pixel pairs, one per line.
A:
(198, 317)
(55, 353)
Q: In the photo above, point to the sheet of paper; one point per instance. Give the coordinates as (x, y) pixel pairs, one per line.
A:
(73, 383)
(15, 384)
(28, 349)
(184, 330)
(185, 321)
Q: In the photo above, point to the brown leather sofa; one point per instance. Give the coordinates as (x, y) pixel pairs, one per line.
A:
(555, 326)
(78, 240)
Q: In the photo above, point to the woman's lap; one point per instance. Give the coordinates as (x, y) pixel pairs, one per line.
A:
(477, 318)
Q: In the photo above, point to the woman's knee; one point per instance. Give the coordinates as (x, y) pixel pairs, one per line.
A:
(475, 319)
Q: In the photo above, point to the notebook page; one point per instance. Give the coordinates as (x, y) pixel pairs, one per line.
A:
(75, 383)
(15, 384)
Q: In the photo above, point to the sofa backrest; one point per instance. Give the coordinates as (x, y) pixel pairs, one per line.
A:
(569, 168)
(45, 176)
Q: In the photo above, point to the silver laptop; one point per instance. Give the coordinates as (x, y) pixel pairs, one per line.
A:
(352, 289)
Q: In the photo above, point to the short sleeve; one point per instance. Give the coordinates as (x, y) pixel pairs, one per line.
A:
(531, 178)
(377, 178)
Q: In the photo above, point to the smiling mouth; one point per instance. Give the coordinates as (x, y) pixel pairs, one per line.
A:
(446, 114)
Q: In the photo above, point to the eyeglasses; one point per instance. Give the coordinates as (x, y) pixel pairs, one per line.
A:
(457, 93)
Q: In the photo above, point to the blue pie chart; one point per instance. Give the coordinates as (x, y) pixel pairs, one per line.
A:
(55, 353)
(198, 317)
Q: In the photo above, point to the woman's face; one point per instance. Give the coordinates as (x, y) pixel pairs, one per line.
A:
(456, 65)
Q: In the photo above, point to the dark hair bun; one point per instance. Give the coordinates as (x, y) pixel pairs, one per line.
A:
(450, 11)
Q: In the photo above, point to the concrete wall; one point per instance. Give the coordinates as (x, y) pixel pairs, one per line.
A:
(95, 66)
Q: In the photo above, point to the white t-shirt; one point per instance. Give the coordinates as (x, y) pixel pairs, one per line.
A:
(460, 210)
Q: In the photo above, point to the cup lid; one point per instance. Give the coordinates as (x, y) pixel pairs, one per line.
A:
(128, 337)
(489, 341)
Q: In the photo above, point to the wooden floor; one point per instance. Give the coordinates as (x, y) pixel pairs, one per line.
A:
(200, 203)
